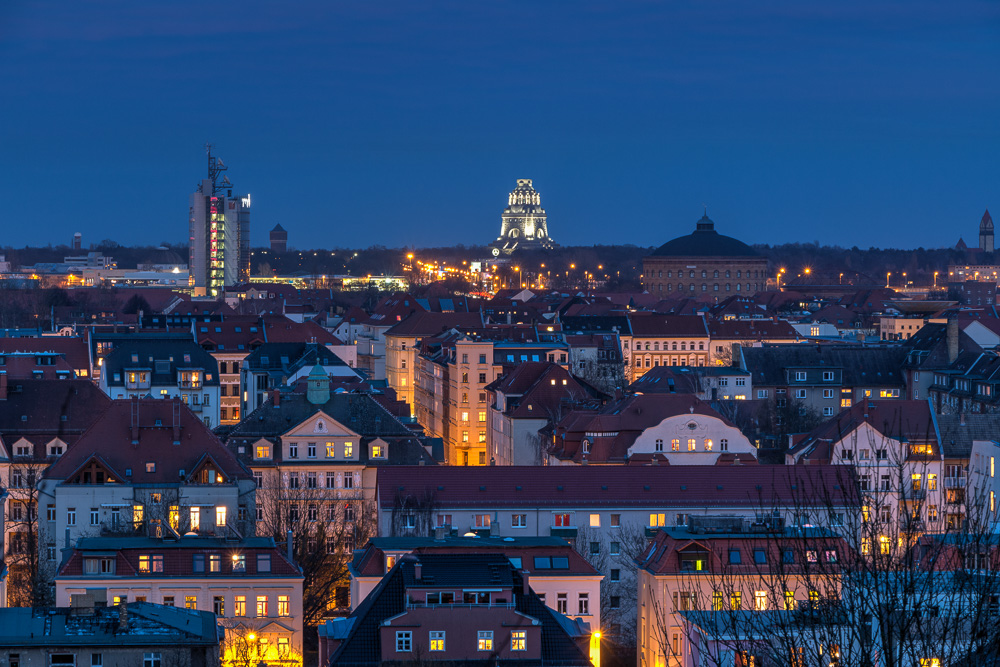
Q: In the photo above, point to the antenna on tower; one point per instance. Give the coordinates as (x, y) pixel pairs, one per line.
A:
(216, 167)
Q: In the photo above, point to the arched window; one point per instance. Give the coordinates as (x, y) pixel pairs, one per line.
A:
(704, 287)
(684, 345)
(692, 274)
(656, 346)
(727, 285)
(715, 287)
(659, 444)
(670, 287)
(704, 274)
(737, 287)
(727, 273)
(715, 274)
(739, 274)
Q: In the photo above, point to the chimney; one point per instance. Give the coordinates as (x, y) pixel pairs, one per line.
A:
(288, 546)
(439, 533)
(417, 571)
(961, 418)
(134, 419)
(3, 386)
(952, 337)
(176, 420)
(526, 587)
(122, 616)
(276, 398)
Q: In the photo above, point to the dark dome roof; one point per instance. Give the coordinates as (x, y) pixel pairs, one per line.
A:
(705, 242)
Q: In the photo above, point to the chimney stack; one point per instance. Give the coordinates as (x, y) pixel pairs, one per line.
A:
(122, 616)
(525, 588)
(3, 386)
(276, 398)
(288, 546)
(417, 571)
(952, 339)
(134, 420)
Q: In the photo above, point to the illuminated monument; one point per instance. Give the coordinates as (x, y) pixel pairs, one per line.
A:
(219, 253)
(523, 223)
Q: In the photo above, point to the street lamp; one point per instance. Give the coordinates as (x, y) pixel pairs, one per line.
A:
(935, 279)
(887, 279)
(841, 279)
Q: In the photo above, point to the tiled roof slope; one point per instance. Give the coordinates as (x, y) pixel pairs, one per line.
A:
(362, 645)
(421, 323)
(72, 348)
(626, 486)
(874, 366)
(111, 438)
(141, 353)
(35, 410)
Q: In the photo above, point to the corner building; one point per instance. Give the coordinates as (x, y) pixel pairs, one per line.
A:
(704, 264)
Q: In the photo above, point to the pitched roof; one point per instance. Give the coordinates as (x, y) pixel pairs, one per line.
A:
(362, 645)
(72, 348)
(40, 410)
(624, 486)
(110, 437)
(162, 358)
(959, 431)
(421, 323)
(655, 325)
(861, 366)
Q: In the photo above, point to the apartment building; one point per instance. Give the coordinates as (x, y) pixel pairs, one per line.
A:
(450, 394)
(250, 585)
(664, 340)
(144, 467)
(164, 369)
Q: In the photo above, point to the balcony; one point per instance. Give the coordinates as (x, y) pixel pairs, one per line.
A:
(910, 493)
(563, 531)
(460, 605)
(954, 482)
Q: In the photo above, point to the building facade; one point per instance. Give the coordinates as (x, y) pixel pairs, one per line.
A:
(523, 223)
(219, 226)
(704, 264)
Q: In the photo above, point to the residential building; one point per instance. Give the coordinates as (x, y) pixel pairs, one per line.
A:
(894, 447)
(709, 383)
(678, 429)
(275, 365)
(563, 501)
(219, 233)
(725, 333)
(145, 367)
(125, 636)
(58, 353)
(454, 608)
(401, 346)
(664, 340)
(704, 264)
(726, 567)
(560, 575)
(823, 379)
(229, 342)
(144, 467)
(450, 394)
(535, 395)
(250, 585)
(39, 421)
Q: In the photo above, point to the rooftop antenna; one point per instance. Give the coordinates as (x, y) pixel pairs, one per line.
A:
(216, 167)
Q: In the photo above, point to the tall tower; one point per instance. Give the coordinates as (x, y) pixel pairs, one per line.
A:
(219, 251)
(986, 232)
(523, 224)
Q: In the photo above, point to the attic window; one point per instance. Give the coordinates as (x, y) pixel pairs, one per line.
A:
(135, 358)
(151, 466)
(187, 358)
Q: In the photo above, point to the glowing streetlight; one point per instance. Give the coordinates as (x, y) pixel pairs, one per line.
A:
(807, 270)
(887, 279)
(935, 278)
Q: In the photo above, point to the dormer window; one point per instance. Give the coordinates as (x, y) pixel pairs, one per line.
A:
(378, 451)
(262, 452)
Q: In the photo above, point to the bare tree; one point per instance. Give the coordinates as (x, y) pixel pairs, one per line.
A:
(29, 584)
(896, 571)
(326, 524)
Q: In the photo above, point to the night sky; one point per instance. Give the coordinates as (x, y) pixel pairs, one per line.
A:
(857, 122)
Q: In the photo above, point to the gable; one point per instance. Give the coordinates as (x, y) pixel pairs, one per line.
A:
(320, 424)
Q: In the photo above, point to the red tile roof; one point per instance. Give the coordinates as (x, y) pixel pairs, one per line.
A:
(654, 325)
(111, 439)
(72, 348)
(622, 486)
(422, 323)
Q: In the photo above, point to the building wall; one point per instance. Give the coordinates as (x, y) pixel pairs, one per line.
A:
(644, 352)
(116, 656)
(400, 367)
(704, 277)
(690, 439)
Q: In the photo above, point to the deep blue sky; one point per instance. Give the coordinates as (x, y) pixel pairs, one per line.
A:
(857, 122)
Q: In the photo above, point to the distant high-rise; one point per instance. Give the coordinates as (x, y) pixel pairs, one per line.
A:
(986, 232)
(279, 239)
(77, 241)
(220, 233)
(523, 224)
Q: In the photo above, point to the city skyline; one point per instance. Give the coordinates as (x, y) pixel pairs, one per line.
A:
(859, 124)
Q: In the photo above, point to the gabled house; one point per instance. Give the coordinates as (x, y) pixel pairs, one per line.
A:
(144, 467)
(144, 368)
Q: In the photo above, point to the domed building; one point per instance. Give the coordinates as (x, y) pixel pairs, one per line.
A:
(523, 223)
(704, 264)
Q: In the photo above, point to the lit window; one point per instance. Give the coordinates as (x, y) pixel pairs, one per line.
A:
(220, 515)
(261, 606)
(760, 600)
(595, 520)
(518, 640)
(437, 640)
(485, 642)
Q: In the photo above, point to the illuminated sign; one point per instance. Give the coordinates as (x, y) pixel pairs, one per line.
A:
(246, 201)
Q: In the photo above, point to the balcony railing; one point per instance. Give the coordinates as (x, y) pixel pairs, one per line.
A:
(954, 482)
(460, 605)
(909, 493)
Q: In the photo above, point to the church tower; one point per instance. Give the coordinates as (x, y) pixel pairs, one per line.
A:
(986, 232)
(523, 224)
